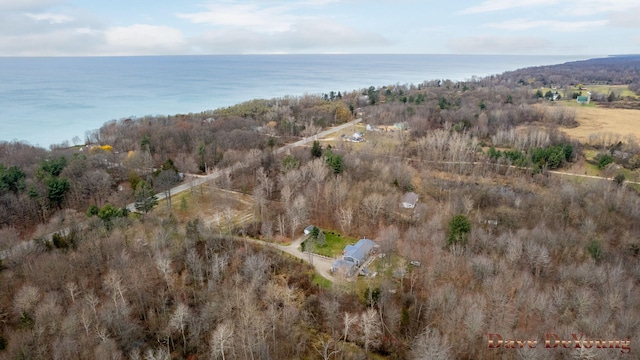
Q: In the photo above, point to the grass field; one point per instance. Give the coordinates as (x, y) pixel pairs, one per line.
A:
(594, 120)
(221, 209)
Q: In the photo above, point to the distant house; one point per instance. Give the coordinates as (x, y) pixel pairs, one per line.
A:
(409, 200)
(401, 126)
(584, 99)
(359, 252)
(363, 100)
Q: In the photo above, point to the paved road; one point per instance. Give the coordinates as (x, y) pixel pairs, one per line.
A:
(30, 245)
(218, 173)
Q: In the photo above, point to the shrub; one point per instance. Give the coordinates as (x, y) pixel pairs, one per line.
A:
(595, 249)
(459, 228)
(604, 160)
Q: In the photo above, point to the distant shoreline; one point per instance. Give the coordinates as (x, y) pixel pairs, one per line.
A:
(48, 100)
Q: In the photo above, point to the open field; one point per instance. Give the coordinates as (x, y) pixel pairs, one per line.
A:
(595, 120)
(619, 90)
(218, 208)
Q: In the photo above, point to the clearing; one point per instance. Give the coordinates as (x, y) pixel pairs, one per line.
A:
(594, 120)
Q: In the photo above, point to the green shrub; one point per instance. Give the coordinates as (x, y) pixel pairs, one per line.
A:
(459, 228)
(604, 160)
(595, 249)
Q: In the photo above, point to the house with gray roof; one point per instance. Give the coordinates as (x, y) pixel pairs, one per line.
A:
(359, 252)
(352, 257)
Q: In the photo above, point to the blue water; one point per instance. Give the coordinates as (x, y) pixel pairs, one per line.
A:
(45, 101)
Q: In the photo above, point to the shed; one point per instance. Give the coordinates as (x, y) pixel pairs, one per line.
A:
(309, 229)
(584, 99)
(358, 252)
(409, 200)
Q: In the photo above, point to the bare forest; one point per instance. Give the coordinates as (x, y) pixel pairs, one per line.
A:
(504, 244)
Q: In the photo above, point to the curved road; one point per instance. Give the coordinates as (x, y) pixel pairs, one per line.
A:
(29, 245)
(321, 264)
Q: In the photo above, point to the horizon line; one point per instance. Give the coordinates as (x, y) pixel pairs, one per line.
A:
(589, 56)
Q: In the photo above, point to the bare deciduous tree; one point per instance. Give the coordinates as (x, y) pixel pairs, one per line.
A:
(219, 339)
(431, 346)
(344, 216)
(370, 329)
(178, 321)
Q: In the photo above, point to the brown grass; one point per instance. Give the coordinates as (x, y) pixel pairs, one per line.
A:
(213, 206)
(595, 120)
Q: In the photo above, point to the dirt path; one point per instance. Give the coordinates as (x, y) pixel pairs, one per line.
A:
(321, 264)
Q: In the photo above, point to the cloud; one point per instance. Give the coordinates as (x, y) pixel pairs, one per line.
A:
(499, 45)
(626, 19)
(142, 39)
(499, 5)
(317, 36)
(276, 27)
(26, 5)
(50, 18)
(252, 16)
(62, 42)
(595, 7)
(553, 25)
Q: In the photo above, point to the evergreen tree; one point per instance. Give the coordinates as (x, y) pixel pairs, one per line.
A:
(316, 149)
(145, 197)
(459, 228)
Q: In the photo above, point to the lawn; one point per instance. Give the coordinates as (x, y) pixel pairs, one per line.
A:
(620, 90)
(320, 281)
(335, 244)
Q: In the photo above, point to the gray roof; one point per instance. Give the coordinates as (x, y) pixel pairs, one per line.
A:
(410, 198)
(344, 267)
(360, 250)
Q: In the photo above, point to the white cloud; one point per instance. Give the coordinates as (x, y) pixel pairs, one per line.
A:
(498, 5)
(626, 19)
(553, 25)
(316, 36)
(15, 5)
(50, 18)
(556, 7)
(63, 42)
(252, 16)
(499, 45)
(142, 39)
(594, 7)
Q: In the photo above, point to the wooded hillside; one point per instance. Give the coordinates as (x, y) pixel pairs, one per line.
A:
(504, 245)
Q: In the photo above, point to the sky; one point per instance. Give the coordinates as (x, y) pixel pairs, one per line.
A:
(191, 27)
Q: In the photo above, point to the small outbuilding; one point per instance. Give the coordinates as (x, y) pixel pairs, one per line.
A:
(584, 99)
(309, 229)
(409, 200)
